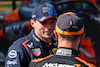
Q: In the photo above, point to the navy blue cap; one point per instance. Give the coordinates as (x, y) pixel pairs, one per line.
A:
(43, 12)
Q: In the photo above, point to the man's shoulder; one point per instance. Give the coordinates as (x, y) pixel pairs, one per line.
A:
(19, 41)
(85, 63)
(39, 61)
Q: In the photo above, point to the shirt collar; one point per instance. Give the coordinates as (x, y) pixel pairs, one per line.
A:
(62, 51)
(34, 36)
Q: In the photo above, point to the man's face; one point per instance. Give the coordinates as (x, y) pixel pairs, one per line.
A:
(45, 29)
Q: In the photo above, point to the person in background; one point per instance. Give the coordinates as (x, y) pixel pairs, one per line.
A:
(39, 43)
(69, 31)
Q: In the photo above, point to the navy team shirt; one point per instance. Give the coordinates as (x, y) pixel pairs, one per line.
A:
(28, 48)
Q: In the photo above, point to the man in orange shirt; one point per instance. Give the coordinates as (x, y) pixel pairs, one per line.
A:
(69, 32)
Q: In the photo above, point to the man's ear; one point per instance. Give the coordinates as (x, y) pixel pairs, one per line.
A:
(32, 22)
(56, 35)
(82, 36)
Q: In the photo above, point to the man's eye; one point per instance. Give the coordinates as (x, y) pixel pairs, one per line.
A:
(53, 22)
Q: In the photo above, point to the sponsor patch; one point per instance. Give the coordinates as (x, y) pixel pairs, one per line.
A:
(13, 62)
(64, 52)
(46, 9)
(56, 65)
(12, 54)
(49, 44)
(54, 49)
(36, 51)
(42, 18)
(30, 45)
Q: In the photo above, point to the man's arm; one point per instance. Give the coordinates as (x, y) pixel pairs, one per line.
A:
(17, 57)
(13, 58)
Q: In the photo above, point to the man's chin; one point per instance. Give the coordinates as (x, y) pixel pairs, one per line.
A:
(48, 36)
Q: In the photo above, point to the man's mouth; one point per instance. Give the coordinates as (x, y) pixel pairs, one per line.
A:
(48, 32)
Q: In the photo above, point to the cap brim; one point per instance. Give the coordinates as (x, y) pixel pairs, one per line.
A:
(46, 18)
(58, 30)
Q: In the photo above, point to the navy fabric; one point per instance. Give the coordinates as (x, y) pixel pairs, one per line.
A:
(18, 55)
(44, 11)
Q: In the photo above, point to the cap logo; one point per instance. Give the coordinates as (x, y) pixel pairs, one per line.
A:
(71, 23)
(33, 16)
(42, 18)
(46, 9)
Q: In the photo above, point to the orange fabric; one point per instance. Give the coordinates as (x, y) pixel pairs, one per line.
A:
(24, 44)
(40, 59)
(70, 13)
(49, 44)
(76, 65)
(13, 16)
(87, 45)
(86, 63)
(54, 49)
(55, 39)
(69, 33)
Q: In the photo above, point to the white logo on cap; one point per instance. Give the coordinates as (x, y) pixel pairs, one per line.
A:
(33, 16)
(12, 54)
(71, 23)
(42, 18)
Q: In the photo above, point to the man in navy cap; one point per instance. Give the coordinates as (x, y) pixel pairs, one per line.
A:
(69, 32)
(39, 43)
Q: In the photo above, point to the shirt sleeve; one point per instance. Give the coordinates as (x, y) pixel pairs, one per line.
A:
(16, 57)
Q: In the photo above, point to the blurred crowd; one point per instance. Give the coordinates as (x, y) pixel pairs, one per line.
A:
(16, 24)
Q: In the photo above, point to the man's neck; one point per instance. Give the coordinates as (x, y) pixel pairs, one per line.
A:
(68, 44)
(45, 40)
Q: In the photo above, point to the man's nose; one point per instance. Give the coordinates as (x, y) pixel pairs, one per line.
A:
(49, 26)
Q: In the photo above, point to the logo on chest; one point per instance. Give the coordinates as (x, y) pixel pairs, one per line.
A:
(36, 51)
